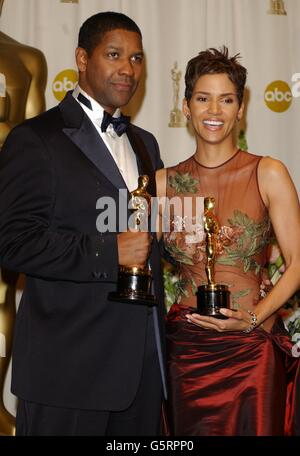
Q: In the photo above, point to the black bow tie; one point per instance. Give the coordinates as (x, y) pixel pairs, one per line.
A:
(120, 124)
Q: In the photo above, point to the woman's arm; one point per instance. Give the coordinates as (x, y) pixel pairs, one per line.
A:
(281, 199)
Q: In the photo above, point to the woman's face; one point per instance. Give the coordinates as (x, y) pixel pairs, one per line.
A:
(213, 108)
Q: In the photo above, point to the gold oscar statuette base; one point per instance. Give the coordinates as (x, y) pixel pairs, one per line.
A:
(134, 286)
(210, 298)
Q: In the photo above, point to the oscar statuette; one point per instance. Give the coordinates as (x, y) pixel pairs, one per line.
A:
(277, 7)
(177, 118)
(211, 296)
(134, 282)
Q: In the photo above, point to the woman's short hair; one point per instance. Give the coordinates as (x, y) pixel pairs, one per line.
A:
(214, 61)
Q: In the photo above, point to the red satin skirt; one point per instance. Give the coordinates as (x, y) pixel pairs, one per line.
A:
(231, 384)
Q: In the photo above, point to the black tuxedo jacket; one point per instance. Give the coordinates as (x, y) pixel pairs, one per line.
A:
(72, 347)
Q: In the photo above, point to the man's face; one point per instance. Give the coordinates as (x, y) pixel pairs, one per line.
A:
(111, 74)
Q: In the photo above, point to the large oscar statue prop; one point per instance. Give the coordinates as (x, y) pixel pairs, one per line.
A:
(211, 296)
(23, 75)
(7, 317)
(134, 282)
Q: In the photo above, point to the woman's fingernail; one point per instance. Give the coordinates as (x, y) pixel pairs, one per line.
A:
(224, 311)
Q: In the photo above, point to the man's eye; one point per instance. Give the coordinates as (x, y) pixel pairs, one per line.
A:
(137, 58)
(113, 55)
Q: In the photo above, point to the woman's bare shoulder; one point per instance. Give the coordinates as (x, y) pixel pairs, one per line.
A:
(274, 179)
(272, 167)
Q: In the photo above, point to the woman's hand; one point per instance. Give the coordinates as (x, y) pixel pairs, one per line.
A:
(238, 320)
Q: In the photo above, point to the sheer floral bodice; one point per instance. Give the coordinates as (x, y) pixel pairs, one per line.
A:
(244, 228)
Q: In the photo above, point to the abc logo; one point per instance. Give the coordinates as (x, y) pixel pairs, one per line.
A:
(64, 81)
(278, 96)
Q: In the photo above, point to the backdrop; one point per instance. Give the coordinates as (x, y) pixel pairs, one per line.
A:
(175, 31)
(265, 32)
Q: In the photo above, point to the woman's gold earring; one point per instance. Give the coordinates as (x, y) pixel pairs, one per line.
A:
(188, 117)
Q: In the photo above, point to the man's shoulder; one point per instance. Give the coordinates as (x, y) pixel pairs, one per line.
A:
(53, 118)
(147, 137)
(44, 118)
(42, 126)
(45, 122)
(147, 140)
(142, 131)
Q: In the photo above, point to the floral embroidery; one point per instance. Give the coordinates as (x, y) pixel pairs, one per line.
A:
(183, 183)
(178, 253)
(237, 295)
(242, 240)
(238, 243)
(186, 242)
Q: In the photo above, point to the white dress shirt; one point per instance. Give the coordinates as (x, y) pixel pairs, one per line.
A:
(119, 146)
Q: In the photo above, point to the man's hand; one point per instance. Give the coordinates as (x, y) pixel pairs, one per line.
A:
(133, 248)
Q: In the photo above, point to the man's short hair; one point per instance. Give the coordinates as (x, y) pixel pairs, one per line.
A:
(94, 28)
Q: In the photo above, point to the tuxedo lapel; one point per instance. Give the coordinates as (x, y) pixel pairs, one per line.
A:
(143, 159)
(84, 135)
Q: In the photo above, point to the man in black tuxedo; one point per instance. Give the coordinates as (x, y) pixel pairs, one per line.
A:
(83, 365)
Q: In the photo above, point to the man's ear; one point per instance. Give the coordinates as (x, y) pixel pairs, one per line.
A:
(81, 59)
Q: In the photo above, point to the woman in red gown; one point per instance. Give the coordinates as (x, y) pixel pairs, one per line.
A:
(234, 376)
